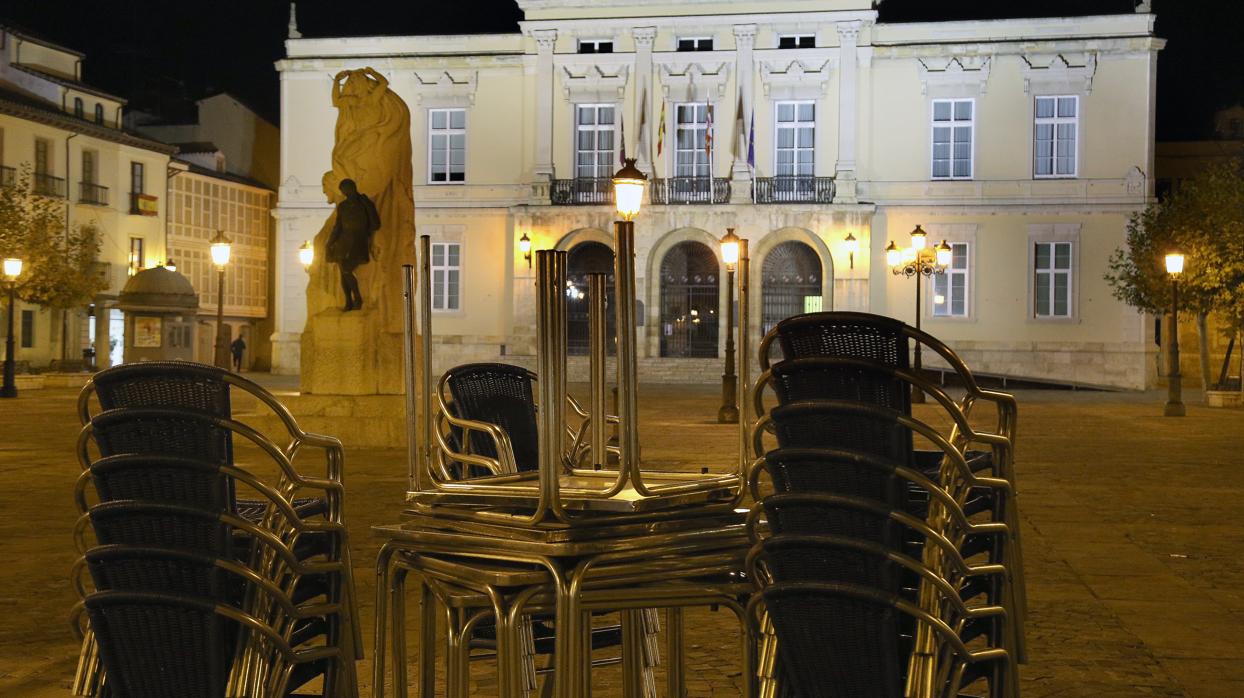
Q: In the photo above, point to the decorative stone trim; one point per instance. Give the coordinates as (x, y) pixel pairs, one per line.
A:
(690, 82)
(958, 76)
(744, 36)
(446, 89)
(546, 40)
(644, 36)
(795, 80)
(594, 83)
(1059, 73)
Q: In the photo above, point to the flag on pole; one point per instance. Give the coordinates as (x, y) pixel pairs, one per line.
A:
(751, 143)
(661, 130)
(708, 133)
(622, 138)
(641, 141)
(740, 130)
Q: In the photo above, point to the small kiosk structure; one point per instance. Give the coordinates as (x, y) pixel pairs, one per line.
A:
(160, 308)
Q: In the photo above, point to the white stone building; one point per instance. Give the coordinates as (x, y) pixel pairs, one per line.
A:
(69, 134)
(1026, 144)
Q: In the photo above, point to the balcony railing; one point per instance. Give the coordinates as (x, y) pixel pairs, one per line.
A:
(8, 176)
(794, 189)
(691, 190)
(91, 193)
(47, 185)
(585, 191)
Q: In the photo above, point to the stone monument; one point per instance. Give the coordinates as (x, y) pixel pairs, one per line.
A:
(352, 343)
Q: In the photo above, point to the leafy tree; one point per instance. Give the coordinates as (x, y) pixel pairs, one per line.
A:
(59, 265)
(1205, 220)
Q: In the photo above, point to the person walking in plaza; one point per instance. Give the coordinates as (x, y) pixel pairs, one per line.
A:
(236, 349)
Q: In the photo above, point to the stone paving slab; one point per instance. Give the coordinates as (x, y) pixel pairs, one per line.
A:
(1134, 551)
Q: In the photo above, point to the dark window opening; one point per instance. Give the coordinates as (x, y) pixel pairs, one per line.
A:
(697, 44)
(797, 41)
(595, 46)
(28, 329)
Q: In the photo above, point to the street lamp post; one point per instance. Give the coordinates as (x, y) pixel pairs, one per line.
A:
(918, 261)
(12, 270)
(221, 247)
(1174, 397)
(728, 413)
(628, 194)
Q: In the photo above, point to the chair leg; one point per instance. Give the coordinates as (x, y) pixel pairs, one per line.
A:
(651, 627)
(427, 641)
(397, 588)
(382, 599)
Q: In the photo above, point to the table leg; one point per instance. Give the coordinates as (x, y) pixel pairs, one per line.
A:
(675, 686)
(383, 561)
(632, 655)
(427, 641)
(398, 590)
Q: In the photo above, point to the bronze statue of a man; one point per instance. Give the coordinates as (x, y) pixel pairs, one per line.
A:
(349, 244)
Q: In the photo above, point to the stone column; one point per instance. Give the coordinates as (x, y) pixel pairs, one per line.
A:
(644, 107)
(740, 174)
(289, 301)
(848, 108)
(545, 41)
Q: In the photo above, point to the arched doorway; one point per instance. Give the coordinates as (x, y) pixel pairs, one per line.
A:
(790, 283)
(587, 258)
(689, 298)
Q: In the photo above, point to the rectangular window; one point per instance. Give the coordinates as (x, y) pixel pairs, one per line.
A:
(795, 138)
(99, 113)
(137, 178)
(446, 146)
(1051, 284)
(695, 43)
(594, 136)
(28, 329)
(446, 273)
(78, 107)
(797, 41)
(953, 123)
(595, 45)
(88, 167)
(691, 130)
(137, 255)
(950, 288)
(1055, 132)
(43, 156)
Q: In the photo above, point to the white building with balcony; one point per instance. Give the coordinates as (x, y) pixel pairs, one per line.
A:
(69, 135)
(1025, 144)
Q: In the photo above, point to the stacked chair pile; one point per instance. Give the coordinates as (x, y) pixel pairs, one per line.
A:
(885, 547)
(202, 576)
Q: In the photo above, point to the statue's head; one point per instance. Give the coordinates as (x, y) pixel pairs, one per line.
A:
(348, 187)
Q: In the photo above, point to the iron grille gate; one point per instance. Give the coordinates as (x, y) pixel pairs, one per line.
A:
(689, 298)
(791, 283)
(583, 259)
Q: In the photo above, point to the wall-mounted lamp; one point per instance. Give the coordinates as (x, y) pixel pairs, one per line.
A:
(306, 254)
(853, 246)
(524, 246)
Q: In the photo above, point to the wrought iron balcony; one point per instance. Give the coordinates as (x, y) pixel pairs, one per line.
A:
(47, 185)
(584, 191)
(8, 176)
(794, 189)
(691, 190)
(91, 193)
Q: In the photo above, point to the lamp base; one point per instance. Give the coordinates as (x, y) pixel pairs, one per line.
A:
(1174, 409)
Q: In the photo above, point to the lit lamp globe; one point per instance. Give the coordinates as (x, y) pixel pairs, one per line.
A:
(221, 247)
(524, 244)
(919, 239)
(730, 249)
(170, 265)
(893, 257)
(944, 255)
(628, 190)
(306, 254)
(1174, 263)
(12, 268)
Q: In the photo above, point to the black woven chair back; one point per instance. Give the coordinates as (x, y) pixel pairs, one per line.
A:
(836, 647)
(150, 524)
(155, 646)
(838, 378)
(163, 431)
(844, 334)
(503, 395)
(158, 570)
(161, 479)
(176, 384)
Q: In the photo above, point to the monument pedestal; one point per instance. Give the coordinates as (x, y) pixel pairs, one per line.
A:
(348, 354)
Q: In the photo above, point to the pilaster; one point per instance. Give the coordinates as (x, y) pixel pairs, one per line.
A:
(745, 70)
(545, 40)
(644, 36)
(848, 108)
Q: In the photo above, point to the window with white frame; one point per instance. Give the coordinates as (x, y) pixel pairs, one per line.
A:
(953, 126)
(950, 288)
(446, 276)
(446, 146)
(594, 141)
(797, 41)
(695, 43)
(691, 129)
(1055, 132)
(595, 45)
(1051, 282)
(795, 139)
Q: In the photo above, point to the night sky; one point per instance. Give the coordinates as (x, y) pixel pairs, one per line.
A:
(156, 52)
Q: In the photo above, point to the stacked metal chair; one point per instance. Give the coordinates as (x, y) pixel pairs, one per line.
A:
(190, 583)
(883, 569)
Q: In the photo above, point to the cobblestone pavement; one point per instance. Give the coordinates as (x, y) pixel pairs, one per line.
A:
(1134, 548)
